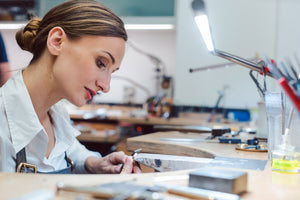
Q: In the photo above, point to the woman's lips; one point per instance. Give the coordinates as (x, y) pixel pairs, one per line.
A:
(90, 93)
(89, 96)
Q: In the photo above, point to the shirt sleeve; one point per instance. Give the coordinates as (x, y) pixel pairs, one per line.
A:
(79, 153)
(7, 151)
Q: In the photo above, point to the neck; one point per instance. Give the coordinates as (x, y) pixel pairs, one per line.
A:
(38, 78)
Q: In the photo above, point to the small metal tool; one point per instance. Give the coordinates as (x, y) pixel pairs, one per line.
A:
(195, 129)
(183, 128)
(136, 152)
(188, 140)
(132, 155)
(285, 84)
(259, 87)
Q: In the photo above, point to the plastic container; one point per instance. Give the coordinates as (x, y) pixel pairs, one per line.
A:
(284, 158)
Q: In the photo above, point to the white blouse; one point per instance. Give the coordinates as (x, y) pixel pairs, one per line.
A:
(20, 127)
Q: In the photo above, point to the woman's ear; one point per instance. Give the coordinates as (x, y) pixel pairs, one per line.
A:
(55, 39)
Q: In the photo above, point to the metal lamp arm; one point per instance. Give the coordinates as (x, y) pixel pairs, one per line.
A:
(258, 67)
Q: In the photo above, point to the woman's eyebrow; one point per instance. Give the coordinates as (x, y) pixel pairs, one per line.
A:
(111, 57)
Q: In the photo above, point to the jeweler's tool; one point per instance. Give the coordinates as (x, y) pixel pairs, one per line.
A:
(283, 81)
(162, 162)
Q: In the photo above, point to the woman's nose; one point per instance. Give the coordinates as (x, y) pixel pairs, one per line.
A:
(104, 85)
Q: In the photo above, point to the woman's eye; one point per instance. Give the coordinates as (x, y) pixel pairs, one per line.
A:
(100, 64)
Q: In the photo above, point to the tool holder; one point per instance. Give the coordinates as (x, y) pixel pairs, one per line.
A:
(271, 71)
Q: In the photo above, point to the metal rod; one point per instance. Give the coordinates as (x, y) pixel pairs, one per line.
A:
(211, 67)
(241, 61)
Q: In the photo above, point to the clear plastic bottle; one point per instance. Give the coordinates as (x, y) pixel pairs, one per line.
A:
(284, 158)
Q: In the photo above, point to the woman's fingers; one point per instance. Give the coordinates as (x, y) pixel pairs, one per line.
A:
(136, 168)
(128, 165)
(117, 158)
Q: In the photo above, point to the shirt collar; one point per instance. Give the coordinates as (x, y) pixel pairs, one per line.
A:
(23, 121)
(64, 132)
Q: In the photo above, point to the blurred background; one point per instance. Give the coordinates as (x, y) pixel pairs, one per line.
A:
(164, 43)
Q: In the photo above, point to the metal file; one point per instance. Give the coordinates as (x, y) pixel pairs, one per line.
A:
(162, 162)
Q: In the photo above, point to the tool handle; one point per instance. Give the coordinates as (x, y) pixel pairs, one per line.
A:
(293, 97)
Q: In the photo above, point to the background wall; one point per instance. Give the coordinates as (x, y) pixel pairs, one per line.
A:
(18, 58)
(288, 30)
(241, 27)
(140, 68)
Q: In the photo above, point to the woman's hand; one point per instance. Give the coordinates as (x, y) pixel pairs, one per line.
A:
(130, 166)
(113, 163)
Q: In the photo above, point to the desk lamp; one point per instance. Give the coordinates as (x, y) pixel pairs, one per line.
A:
(288, 84)
(202, 22)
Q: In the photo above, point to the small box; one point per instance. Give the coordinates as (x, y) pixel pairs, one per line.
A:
(221, 180)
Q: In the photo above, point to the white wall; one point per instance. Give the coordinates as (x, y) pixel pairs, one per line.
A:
(289, 30)
(139, 67)
(240, 27)
(17, 57)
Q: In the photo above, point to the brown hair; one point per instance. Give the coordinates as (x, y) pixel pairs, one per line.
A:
(77, 18)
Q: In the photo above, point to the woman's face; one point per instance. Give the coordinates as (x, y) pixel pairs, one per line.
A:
(85, 66)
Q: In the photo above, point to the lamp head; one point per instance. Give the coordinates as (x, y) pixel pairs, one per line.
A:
(198, 6)
(201, 20)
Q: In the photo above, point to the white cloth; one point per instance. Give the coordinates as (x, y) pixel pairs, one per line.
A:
(20, 127)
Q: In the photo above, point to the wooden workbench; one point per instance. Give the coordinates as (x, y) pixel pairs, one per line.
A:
(13, 185)
(152, 143)
(122, 114)
(265, 185)
(262, 185)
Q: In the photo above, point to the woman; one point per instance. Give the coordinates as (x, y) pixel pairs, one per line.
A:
(76, 47)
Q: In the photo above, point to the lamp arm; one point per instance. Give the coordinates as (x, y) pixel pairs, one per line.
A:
(158, 62)
(258, 67)
(211, 67)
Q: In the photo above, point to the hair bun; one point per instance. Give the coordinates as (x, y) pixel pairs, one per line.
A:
(26, 36)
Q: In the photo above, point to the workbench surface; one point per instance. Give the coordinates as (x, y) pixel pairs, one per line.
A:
(152, 143)
(265, 185)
